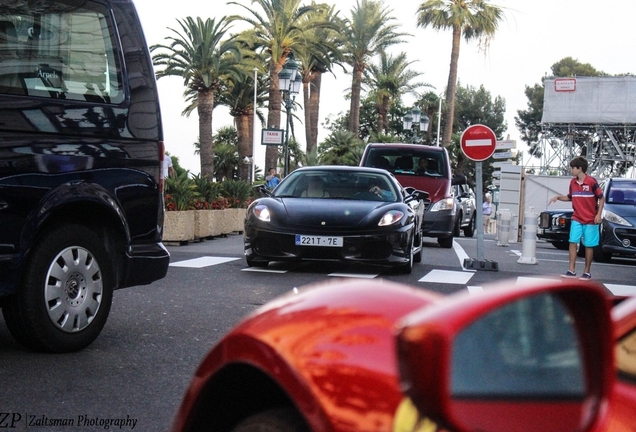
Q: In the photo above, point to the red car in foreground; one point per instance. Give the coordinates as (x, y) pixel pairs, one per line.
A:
(364, 355)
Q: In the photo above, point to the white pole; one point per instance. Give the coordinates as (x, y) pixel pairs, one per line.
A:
(439, 118)
(254, 128)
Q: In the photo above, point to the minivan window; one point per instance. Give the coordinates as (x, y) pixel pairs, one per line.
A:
(417, 162)
(59, 50)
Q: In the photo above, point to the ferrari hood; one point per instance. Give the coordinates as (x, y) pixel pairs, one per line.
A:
(336, 213)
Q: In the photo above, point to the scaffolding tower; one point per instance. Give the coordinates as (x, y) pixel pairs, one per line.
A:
(594, 117)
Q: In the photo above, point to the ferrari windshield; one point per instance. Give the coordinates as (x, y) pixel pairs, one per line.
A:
(338, 184)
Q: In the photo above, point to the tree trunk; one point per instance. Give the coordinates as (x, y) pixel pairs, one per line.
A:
(273, 114)
(244, 144)
(383, 112)
(306, 103)
(314, 108)
(354, 110)
(205, 105)
(451, 89)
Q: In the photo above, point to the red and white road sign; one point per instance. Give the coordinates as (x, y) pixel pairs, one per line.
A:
(478, 142)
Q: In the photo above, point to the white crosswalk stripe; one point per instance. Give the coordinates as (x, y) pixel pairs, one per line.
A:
(201, 262)
(462, 277)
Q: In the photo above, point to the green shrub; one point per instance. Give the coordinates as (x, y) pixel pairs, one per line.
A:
(181, 192)
(238, 192)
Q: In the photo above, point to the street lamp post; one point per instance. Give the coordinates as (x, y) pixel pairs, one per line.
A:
(289, 82)
(416, 117)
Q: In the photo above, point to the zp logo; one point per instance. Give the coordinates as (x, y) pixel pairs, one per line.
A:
(9, 420)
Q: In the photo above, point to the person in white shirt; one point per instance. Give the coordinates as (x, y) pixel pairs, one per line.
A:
(486, 211)
(168, 170)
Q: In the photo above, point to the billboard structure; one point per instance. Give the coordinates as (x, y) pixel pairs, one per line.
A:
(593, 117)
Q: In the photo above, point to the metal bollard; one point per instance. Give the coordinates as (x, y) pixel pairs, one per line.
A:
(529, 240)
(514, 228)
(505, 228)
(498, 226)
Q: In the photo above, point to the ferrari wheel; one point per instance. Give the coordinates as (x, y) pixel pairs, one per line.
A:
(408, 267)
(419, 240)
(66, 293)
(254, 263)
(273, 420)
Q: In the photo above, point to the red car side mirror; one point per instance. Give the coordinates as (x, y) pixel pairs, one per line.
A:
(511, 359)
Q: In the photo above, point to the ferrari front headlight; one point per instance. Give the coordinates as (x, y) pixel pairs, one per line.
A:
(391, 217)
(262, 213)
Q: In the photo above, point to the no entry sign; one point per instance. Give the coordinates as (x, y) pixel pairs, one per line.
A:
(478, 142)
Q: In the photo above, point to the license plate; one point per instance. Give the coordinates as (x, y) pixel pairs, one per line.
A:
(306, 240)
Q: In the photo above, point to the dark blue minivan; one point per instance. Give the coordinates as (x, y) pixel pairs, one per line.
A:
(81, 148)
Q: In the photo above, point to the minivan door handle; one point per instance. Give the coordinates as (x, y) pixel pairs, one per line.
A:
(3, 204)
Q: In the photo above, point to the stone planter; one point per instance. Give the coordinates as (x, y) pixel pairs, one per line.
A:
(178, 226)
(236, 219)
(204, 224)
(181, 226)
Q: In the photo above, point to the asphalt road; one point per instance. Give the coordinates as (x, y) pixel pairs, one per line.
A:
(135, 374)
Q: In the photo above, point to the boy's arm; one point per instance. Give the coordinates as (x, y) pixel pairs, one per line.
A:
(599, 215)
(559, 198)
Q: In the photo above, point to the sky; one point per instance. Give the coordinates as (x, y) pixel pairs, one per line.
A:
(533, 35)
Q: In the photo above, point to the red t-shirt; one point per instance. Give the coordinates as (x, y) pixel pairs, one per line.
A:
(585, 196)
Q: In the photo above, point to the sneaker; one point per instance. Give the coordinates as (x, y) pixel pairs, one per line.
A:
(569, 274)
(586, 276)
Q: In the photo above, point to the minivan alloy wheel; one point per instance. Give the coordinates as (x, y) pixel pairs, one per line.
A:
(73, 290)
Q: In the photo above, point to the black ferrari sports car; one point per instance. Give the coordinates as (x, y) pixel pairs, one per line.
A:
(341, 213)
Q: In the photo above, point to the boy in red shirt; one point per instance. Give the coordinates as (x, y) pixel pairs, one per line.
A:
(587, 203)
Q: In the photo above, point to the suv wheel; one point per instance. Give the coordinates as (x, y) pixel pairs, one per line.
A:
(469, 231)
(458, 225)
(66, 292)
(446, 242)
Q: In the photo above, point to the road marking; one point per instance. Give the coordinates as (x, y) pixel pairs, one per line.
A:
(532, 280)
(201, 262)
(447, 276)
(621, 290)
(461, 255)
(434, 276)
(263, 270)
(354, 275)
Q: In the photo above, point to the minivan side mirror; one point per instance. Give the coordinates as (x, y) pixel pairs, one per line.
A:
(533, 358)
(459, 179)
(413, 193)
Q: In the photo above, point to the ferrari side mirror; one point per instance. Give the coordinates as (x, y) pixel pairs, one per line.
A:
(262, 190)
(531, 359)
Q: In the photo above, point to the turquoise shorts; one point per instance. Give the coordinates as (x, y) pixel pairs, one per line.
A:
(588, 232)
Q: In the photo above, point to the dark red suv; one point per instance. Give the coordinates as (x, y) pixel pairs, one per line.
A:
(424, 168)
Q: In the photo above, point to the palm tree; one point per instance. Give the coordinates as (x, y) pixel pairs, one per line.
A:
(388, 80)
(316, 59)
(199, 55)
(367, 32)
(226, 155)
(341, 148)
(279, 31)
(238, 96)
(472, 19)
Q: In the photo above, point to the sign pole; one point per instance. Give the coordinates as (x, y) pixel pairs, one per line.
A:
(480, 217)
(478, 143)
